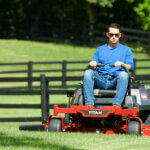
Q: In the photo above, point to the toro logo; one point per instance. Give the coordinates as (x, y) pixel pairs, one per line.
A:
(95, 112)
(144, 96)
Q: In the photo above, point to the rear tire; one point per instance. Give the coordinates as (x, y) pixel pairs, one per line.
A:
(133, 127)
(55, 125)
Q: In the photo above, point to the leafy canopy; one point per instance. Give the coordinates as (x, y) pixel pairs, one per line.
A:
(143, 10)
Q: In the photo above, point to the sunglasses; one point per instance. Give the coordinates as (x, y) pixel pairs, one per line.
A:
(114, 34)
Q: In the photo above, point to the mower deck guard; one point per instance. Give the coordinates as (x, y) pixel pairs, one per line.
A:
(102, 113)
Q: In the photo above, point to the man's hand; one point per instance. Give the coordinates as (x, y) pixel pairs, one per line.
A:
(92, 64)
(118, 63)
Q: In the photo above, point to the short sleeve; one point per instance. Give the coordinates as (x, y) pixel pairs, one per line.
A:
(96, 55)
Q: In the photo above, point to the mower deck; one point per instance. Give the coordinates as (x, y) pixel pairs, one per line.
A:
(84, 119)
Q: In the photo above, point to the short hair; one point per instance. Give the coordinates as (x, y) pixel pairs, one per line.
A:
(114, 25)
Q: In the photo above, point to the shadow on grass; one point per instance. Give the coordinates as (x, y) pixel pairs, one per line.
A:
(29, 142)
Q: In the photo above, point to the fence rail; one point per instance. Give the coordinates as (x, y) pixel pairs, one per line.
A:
(61, 72)
(43, 106)
(44, 92)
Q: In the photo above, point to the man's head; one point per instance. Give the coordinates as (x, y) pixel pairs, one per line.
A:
(113, 33)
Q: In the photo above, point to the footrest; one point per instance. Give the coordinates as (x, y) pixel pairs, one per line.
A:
(104, 93)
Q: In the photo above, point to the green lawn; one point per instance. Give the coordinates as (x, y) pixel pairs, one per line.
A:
(13, 139)
(24, 51)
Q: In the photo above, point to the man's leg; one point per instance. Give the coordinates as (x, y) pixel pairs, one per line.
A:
(89, 79)
(122, 84)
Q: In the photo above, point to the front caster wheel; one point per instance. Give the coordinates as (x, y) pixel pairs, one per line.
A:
(133, 127)
(55, 125)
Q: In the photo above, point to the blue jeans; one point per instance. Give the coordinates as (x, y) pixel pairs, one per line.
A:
(93, 80)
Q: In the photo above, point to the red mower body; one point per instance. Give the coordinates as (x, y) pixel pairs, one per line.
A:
(84, 119)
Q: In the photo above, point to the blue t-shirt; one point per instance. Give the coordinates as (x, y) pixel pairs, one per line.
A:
(106, 56)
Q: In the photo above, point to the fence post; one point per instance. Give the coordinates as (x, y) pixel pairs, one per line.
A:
(28, 29)
(64, 67)
(91, 34)
(134, 71)
(84, 35)
(30, 75)
(44, 99)
(62, 37)
(47, 97)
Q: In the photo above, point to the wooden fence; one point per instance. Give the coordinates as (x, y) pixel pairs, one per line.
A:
(42, 106)
(62, 71)
(142, 70)
(57, 70)
(44, 92)
(84, 33)
(75, 32)
(45, 87)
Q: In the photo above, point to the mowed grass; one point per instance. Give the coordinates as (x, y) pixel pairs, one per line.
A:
(13, 139)
(24, 51)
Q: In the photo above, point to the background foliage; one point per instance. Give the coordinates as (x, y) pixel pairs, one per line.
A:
(128, 13)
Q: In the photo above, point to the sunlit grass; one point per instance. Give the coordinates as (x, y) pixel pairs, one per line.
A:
(12, 138)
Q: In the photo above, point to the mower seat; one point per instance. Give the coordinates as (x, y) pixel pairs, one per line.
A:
(105, 98)
(102, 98)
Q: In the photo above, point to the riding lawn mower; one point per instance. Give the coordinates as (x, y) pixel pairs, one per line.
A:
(132, 118)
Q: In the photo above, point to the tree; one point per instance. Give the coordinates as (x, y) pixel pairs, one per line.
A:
(143, 11)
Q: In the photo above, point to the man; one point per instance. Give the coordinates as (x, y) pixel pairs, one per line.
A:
(109, 77)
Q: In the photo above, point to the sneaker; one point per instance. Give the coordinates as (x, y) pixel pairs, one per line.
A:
(90, 106)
